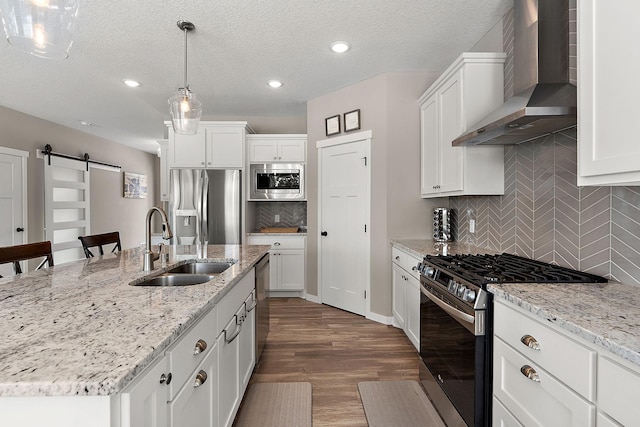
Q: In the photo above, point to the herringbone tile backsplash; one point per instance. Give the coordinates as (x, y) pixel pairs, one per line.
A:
(544, 215)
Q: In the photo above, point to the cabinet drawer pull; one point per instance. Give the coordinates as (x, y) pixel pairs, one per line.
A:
(530, 373)
(276, 243)
(166, 378)
(201, 346)
(201, 377)
(397, 257)
(230, 339)
(530, 342)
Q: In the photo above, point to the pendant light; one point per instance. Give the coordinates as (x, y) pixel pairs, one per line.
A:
(43, 28)
(184, 108)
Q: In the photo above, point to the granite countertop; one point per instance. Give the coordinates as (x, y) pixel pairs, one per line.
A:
(81, 329)
(605, 314)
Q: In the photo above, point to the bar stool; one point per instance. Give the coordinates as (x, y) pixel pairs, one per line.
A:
(99, 240)
(15, 254)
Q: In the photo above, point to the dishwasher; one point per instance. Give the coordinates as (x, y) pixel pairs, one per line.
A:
(262, 307)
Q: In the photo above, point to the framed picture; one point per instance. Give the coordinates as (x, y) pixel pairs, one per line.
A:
(332, 125)
(352, 120)
(135, 186)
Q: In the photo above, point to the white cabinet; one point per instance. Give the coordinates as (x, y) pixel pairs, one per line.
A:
(277, 148)
(405, 285)
(144, 401)
(215, 145)
(229, 382)
(608, 127)
(618, 389)
(468, 90)
(287, 262)
(541, 376)
(163, 152)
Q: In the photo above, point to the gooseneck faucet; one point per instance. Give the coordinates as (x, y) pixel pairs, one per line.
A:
(149, 256)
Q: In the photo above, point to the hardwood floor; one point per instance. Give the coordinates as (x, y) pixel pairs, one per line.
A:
(333, 350)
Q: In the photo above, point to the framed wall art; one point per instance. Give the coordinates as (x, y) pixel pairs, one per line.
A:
(332, 125)
(135, 186)
(352, 120)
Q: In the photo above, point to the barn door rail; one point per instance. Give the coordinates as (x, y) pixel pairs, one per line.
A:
(48, 151)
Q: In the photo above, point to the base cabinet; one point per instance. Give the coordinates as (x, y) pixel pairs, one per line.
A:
(144, 402)
(405, 285)
(287, 259)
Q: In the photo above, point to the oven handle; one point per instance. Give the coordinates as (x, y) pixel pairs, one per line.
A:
(460, 315)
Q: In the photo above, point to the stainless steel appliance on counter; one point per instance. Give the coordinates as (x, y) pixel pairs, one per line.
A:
(277, 181)
(456, 327)
(205, 206)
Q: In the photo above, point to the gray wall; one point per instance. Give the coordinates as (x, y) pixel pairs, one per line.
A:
(109, 210)
(388, 107)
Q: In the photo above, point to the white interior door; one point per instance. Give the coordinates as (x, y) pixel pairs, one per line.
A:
(344, 217)
(13, 197)
(66, 204)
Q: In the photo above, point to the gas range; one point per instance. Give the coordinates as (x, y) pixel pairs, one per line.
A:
(465, 276)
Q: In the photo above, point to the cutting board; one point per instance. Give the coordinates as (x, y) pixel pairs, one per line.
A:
(279, 229)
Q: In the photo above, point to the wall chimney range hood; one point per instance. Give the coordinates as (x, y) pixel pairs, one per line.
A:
(544, 100)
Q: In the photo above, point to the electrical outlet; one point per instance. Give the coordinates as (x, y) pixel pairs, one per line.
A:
(277, 219)
(472, 226)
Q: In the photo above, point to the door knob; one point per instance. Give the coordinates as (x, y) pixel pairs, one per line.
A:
(19, 229)
(324, 233)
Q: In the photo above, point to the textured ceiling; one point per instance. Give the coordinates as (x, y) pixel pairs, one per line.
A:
(237, 46)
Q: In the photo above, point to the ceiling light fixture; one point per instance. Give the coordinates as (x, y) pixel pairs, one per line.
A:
(184, 108)
(274, 84)
(340, 47)
(131, 83)
(43, 28)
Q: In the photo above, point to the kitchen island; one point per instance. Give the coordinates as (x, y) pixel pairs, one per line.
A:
(81, 330)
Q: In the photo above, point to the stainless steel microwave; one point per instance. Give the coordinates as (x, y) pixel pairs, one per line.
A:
(277, 181)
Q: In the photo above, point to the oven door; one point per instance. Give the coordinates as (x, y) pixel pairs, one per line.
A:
(453, 354)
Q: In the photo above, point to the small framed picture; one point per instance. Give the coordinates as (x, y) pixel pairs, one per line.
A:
(135, 186)
(332, 125)
(352, 120)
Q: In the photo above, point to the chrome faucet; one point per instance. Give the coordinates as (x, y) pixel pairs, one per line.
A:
(149, 256)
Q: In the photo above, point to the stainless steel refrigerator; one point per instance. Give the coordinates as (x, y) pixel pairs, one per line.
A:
(205, 206)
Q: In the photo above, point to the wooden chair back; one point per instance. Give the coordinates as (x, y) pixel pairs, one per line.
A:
(15, 254)
(98, 240)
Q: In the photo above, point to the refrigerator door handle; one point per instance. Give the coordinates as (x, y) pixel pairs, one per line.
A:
(203, 214)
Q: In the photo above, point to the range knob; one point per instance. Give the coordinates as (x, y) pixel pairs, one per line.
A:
(453, 286)
(461, 290)
(469, 295)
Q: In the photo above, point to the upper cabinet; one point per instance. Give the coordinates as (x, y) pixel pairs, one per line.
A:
(608, 93)
(468, 90)
(285, 148)
(215, 145)
(163, 152)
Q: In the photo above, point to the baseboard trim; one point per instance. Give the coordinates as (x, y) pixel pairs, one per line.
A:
(286, 294)
(385, 320)
(313, 298)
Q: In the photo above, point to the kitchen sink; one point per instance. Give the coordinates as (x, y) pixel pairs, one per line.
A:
(210, 268)
(175, 279)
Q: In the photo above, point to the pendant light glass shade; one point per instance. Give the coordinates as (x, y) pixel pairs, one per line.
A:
(184, 108)
(44, 28)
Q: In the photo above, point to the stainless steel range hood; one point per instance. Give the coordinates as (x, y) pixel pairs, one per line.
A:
(545, 101)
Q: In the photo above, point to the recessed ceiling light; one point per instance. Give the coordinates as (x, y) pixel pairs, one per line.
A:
(274, 83)
(131, 83)
(340, 47)
(85, 123)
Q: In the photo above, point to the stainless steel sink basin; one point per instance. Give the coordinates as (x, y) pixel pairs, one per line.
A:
(169, 279)
(210, 268)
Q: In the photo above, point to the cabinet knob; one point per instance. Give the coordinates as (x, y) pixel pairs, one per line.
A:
(324, 233)
(397, 257)
(202, 163)
(19, 229)
(530, 373)
(201, 346)
(275, 158)
(530, 342)
(201, 377)
(166, 378)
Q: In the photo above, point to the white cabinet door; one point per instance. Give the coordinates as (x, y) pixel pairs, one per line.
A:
(451, 158)
(228, 373)
(412, 325)
(144, 403)
(247, 342)
(188, 151)
(292, 150)
(277, 148)
(430, 147)
(608, 127)
(263, 150)
(291, 269)
(399, 290)
(196, 403)
(225, 147)
(502, 417)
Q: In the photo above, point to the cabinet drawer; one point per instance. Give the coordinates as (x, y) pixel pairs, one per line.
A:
(406, 261)
(502, 417)
(234, 300)
(564, 358)
(189, 351)
(618, 390)
(278, 242)
(547, 402)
